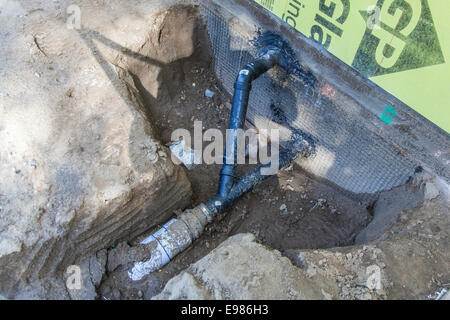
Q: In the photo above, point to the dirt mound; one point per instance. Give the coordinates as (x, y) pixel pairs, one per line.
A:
(80, 164)
(412, 263)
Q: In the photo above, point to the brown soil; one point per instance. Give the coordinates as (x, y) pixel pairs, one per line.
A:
(316, 215)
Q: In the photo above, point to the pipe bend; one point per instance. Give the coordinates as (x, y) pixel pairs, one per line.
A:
(242, 88)
(256, 68)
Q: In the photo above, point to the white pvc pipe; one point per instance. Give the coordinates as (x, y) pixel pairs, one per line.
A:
(175, 236)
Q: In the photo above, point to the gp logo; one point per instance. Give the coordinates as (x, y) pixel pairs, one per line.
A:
(400, 36)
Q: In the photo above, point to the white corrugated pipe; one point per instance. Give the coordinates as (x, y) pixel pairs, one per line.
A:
(175, 236)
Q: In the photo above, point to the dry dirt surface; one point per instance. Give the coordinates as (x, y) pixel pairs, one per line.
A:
(412, 263)
(87, 116)
(80, 165)
(300, 217)
(288, 211)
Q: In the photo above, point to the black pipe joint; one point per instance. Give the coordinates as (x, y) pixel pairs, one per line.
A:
(256, 68)
(242, 89)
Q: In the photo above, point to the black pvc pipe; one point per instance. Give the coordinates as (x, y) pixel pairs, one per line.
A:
(300, 145)
(242, 89)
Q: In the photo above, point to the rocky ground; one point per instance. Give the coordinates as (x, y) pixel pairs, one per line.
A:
(87, 118)
(288, 211)
(412, 263)
(80, 164)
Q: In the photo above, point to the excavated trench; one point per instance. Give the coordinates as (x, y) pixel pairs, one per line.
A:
(290, 210)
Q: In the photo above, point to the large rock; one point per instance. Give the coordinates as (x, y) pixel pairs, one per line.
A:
(240, 268)
(412, 263)
(80, 166)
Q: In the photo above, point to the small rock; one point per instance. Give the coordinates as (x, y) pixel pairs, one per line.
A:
(290, 188)
(322, 262)
(366, 296)
(116, 294)
(431, 191)
(183, 153)
(140, 294)
(446, 296)
(209, 94)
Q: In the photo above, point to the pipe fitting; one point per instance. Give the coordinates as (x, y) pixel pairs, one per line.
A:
(179, 233)
(173, 238)
(266, 60)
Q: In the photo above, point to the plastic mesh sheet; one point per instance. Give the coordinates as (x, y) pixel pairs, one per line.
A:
(347, 153)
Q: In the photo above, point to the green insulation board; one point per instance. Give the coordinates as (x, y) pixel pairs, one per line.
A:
(401, 45)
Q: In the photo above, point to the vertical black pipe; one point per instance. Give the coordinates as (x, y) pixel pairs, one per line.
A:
(242, 89)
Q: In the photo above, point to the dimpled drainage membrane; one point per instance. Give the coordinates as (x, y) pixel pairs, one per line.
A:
(347, 153)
